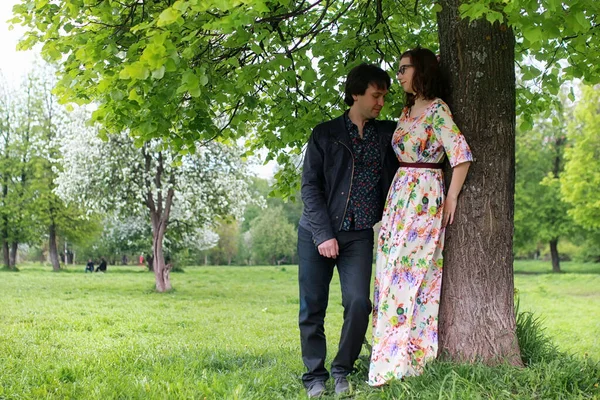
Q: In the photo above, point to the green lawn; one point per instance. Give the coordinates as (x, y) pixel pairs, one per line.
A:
(568, 303)
(231, 333)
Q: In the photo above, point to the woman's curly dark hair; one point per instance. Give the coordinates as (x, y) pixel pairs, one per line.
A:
(427, 80)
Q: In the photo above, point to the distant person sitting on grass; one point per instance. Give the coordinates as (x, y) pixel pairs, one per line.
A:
(102, 266)
(89, 267)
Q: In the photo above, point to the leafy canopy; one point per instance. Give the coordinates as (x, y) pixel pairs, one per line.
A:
(192, 70)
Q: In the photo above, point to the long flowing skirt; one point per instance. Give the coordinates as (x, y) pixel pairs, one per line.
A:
(408, 276)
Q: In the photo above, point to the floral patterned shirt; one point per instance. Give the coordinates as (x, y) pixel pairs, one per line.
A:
(363, 204)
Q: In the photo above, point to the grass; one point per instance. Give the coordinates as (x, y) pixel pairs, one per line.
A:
(231, 333)
(568, 303)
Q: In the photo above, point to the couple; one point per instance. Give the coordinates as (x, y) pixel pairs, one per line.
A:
(357, 169)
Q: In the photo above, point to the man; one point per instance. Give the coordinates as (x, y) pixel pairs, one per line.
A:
(348, 167)
(102, 266)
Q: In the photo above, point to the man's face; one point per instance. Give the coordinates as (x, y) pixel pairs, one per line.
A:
(370, 104)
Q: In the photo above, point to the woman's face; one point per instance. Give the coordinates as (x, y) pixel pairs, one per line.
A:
(405, 75)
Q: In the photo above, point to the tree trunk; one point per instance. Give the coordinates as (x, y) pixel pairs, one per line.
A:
(6, 253)
(14, 247)
(477, 321)
(554, 254)
(52, 249)
(161, 271)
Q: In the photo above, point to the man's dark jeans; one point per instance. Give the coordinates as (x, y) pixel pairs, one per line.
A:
(354, 265)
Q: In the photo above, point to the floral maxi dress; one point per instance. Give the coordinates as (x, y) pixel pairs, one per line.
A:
(408, 273)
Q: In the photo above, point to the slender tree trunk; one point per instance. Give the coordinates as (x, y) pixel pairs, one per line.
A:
(554, 254)
(52, 248)
(161, 270)
(477, 320)
(6, 253)
(14, 247)
(159, 215)
(5, 243)
(559, 142)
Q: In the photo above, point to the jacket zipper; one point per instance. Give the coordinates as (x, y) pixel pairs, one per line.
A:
(349, 190)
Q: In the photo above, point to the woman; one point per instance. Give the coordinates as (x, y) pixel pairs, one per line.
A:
(408, 274)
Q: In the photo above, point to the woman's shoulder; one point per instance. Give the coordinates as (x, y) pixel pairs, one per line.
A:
(439, 102)
(441, 106)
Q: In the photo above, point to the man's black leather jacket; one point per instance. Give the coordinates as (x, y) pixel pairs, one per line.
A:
(327, 175)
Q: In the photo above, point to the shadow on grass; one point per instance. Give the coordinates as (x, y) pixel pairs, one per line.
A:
(543, 268)
(76, 269)
(593, 271)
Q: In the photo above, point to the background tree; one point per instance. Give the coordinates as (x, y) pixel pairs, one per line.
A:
(581, 179)
(30, 210)
(273, 238)
(227, 248)
(19, 127)
(116, 176)
(540, 213)
(7, 168)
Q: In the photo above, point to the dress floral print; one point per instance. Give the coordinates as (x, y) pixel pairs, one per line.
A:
(408, 275)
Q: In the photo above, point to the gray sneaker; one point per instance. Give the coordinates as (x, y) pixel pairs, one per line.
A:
(342, 386)
(316, 389)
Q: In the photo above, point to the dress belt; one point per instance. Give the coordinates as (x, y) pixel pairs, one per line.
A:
(422, 165)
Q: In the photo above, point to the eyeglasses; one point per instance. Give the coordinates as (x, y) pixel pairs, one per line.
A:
(403, 68)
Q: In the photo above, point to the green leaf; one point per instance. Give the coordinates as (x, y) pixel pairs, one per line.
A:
(158, 73)
(168, 17)
(494, 16)
(582, 20)
(181, 6)
(532, 33)
(309, 75)
(526, 125)
(40, 4)
(133, 95)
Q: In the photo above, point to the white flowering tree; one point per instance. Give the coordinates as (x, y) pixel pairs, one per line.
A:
(189, 191)
(132, 234)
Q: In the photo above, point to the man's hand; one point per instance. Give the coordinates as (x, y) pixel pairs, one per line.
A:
(329, 248)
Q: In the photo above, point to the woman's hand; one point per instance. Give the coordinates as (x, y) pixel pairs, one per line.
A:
(449, 210)
(459, 173)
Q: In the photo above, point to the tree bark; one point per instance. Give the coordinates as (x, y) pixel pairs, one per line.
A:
(554, 254)
(14, 247)
(52, 249)
(6, 253)
(160, 271)
(159, 214)
(477, 321)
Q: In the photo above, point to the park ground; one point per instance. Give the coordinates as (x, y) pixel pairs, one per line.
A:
(231, 333)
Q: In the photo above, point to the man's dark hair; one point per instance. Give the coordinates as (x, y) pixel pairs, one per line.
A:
(427, 80)
(361, 77)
